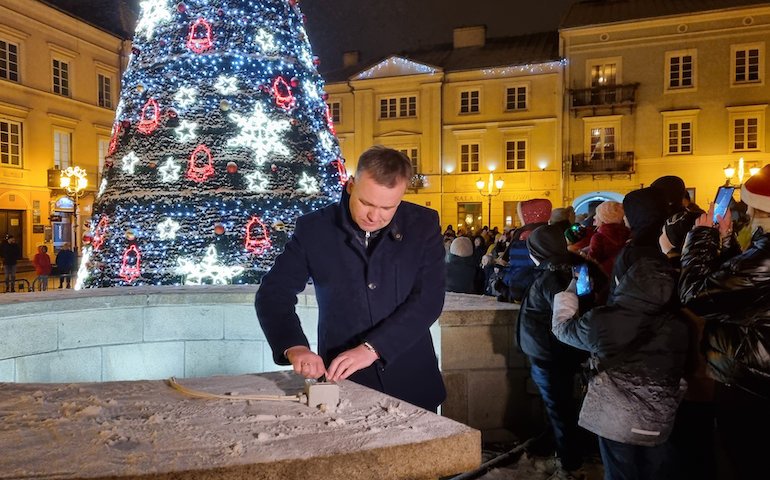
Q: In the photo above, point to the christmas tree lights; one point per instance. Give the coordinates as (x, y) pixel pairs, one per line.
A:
(221, 140)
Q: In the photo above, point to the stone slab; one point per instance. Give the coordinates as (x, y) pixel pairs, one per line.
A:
(145, 430)
(27, 335)
(99, 327)
(241, 323)
(6, 370)
(80, 365)
(206, 358)
(143, 361)
(472, 347)
(194, 322)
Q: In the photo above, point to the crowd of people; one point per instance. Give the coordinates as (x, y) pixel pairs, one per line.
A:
(10, 254)
(671, 342)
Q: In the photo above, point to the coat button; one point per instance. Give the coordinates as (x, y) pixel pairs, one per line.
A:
(372, 286)
(398, 236)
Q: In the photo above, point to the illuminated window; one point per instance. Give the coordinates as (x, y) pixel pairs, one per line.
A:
(335, 110)
(62, 149)
(413, 155)
(105, 91)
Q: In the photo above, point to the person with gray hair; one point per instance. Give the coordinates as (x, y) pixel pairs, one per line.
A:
(461, 268)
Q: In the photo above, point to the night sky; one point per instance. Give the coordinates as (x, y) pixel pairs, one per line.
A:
(378, 28)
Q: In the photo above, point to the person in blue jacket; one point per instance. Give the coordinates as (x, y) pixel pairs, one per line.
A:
(377, 265)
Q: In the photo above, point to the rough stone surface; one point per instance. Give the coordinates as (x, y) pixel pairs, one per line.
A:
(205, 358)
(6, 371)
(143, 361)
(81, 365)
(145, 430)
(98, 328)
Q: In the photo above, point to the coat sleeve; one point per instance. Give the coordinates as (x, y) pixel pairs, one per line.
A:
(707, 284)
(276, 299)
(411, 320)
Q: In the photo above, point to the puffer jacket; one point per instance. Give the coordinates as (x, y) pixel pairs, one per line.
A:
(633, 399)
(733, 297)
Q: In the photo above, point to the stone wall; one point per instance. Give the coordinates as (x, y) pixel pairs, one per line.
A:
(154, 333)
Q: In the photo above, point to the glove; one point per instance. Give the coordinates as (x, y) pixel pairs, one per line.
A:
(565, 306)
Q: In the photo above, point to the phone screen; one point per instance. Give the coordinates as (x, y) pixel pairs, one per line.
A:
(722, 202)
(583, 280)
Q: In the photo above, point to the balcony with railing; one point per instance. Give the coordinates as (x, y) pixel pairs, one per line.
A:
(608, 97)
(616, 163)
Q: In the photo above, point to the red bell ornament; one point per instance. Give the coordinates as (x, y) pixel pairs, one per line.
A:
(199, 173)
(199, 39)
(131, 264)
(257, 237)
(150, 117)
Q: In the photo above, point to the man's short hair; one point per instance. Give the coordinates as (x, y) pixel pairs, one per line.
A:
(385, 165)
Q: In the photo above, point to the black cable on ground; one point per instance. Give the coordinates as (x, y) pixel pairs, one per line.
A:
(498, 460)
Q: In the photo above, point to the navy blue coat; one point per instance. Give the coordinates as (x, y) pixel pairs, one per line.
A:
(389, 297)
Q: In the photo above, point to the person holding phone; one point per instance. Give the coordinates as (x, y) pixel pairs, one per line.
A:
(638, 347)
(733, 297)
(553, 364)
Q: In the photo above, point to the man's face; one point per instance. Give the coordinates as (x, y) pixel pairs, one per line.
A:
(372, 205)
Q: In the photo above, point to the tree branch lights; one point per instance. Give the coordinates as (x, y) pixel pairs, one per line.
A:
(221, 139)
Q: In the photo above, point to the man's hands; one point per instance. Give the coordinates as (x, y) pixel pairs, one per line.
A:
(725, 224)
(305, 362)
(349, 362)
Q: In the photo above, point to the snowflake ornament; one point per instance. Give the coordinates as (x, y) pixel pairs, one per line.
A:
(129, 163)
(153, 13)
(196, 271)
(261, 134)
(167, 229)
(226, 85)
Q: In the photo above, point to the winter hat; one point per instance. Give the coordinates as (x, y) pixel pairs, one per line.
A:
(755, 191)
(548, 243)
(678, 225)
(673, 190)
(566, 214)
(646, 212)
(609, 212)
(537, 210)
(462, 247)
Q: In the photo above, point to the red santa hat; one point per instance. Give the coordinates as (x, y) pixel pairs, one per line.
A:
(756, 190)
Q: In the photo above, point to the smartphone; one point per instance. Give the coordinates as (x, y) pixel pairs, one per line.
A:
(722, 202)
(583, 279)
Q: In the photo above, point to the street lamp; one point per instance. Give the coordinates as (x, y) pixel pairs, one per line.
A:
(480, 184)
(74, 182)
(730, 171)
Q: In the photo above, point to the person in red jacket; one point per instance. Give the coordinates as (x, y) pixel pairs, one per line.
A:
(42, 263)
(610, 236)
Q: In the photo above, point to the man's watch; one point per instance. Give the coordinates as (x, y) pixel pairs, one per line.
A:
(369, 347)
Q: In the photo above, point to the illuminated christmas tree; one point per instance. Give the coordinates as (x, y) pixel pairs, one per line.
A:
(222, 138)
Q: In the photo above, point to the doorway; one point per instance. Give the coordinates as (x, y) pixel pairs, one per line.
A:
(11, 222)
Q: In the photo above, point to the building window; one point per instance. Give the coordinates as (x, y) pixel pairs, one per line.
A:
(413, 155)
(398, 107)
(516, 155)
(679, 137)
(469, 217)
(680, 68)
(10, 143)
(105, 91)
(9, 61)
(510, 214)
(62, 149)
(61, 77)
(516, 98)
(603, 74)
(748, 64)
(745, 134)
(602, 145)
(469, 101)
(469, 157)
(335, 111)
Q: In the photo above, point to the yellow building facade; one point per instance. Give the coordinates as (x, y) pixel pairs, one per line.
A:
(467, 113)
(59, 87)
(672, 94)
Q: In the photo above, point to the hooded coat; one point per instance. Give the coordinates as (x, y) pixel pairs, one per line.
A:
(388, 297)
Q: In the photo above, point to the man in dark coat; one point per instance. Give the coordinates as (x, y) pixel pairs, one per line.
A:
(10, 252)
(377, 265)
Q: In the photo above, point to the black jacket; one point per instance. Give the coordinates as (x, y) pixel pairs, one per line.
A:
(461, 274)
(533, 328)
(733, 297)
(10, 252)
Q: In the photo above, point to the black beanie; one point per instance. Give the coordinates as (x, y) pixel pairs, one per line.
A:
(646, 213)
(547, 243)
(677, 227)
(674, 190)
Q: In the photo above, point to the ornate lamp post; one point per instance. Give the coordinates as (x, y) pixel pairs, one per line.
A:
(480, 184)
(74, 182)
(730, 171)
